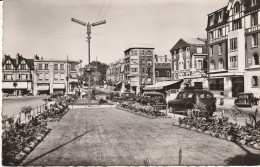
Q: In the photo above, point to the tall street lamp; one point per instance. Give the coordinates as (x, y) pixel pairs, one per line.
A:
(88, 40)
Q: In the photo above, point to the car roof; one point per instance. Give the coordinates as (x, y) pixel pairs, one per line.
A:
(153, 93)
(245, 93)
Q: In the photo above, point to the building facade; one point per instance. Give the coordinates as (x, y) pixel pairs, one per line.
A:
(138, 68)
(189, 62)
(55, 76)
(17, 75)
(232, 41)
(162, 68)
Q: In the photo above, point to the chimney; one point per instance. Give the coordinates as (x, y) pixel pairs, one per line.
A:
(36, 57)
(17, 58)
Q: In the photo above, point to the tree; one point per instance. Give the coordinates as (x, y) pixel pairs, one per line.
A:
(101, 69)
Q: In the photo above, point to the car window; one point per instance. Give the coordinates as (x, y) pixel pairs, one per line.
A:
(180, 95)
(209, 96)
(202, 96)
(190, 95)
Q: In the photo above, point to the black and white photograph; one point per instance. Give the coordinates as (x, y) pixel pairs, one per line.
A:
(130, 82)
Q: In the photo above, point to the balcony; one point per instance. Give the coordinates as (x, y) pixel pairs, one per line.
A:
(252, 29)
(211, 41)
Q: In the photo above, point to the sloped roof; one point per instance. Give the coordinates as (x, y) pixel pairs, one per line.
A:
(185, 42)
(160, 85)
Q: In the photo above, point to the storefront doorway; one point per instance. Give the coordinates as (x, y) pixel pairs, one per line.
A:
(237, 86)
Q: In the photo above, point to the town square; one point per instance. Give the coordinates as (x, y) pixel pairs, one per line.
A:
(130, 83)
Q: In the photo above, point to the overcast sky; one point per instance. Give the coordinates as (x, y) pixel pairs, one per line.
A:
(44, 27)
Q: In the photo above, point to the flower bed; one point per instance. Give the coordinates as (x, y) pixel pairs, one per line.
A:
(19, 139)
(221, 128)
(140, 109)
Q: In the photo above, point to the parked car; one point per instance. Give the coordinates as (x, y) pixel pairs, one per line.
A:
(128, 96)
(246, 99)
(153, 98)
(113, 95)
(189, 98)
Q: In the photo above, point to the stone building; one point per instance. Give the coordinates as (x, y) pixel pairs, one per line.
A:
(162, 68)
(55, 76)
(138, 68)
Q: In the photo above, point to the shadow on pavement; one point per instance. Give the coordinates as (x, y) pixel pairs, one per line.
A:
(248, 159)
(25, 164)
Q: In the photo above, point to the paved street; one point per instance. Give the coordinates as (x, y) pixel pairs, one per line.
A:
(116, 137)
(12, 106)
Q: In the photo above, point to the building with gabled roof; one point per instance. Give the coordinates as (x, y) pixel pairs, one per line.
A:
(189, 61)
(17, 75)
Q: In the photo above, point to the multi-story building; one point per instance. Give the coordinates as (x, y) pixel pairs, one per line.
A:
(252, 38)
(17, 75)
(189, 62)
(232, 34)
(162, 68)
(115, 75)
(55, 76)
(138, 68)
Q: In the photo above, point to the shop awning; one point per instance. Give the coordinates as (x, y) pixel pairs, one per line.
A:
(58, 86)
(43, 87)
(160, 85)
(228, 74)
(10, 85)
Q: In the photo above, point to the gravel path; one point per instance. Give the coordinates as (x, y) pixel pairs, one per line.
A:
(116, 137)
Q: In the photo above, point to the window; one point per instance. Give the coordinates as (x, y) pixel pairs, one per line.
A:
(255, 59)
(149, 71)
(62, 76)
(134, 69)
(211, 37)
(175, 66)
(40, 76)
(254, 19)
(23, 77)
(254, 81)
(23, 66)
(219, 49)
(220, 16)
(233, 44)
(190, 95)
(220, 32)
(236, 8)
(8, 66)
(254, 40)
(40, 66)
(198, 64)
(61, 66)
(46, 67)
(237, 24)
(210, 51)
(216, 84)
(157, 73)
(55, 66)
(199, 49)
(211, 20)
(149, 62)
(56, 76)
(168, 73)
(73, 67)
(47, 76)
(233, 62)
(188, 50)
(149, 53)
(174, 55)
(165, 58)
(187, 64)
(212, 65)
(143, 53)
(134, 52)
(143, 70)
(220, 63)
(253, 2)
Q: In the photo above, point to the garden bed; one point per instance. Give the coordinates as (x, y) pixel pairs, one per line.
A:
(19, 138)
(221, 128)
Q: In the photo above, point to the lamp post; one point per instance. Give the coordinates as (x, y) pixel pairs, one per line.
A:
(88, 40)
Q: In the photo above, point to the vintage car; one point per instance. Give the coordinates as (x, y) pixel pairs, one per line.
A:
(128, 96)
(113, 95)
(153, 98)
(246, 99)
(190, 98)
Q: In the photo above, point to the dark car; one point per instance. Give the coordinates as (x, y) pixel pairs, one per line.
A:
(192, 98)
(128, 96)
(113, 95)
(153, 98)
(246, 99)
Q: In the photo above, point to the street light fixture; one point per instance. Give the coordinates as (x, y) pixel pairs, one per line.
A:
(88, 40)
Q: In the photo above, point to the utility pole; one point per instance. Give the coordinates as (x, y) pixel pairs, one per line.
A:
(88, 40)
(67, 78)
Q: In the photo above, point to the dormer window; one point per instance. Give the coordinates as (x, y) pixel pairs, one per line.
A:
(236, 8)
(23, 66)
(253, 2)
(220, 16)
(174, 55)
(211, 20)
(187, 49)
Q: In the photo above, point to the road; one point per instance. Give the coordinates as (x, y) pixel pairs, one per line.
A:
(12, 106)
(116, 137)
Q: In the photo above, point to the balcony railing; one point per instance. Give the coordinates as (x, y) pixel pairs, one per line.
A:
(252, 29)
